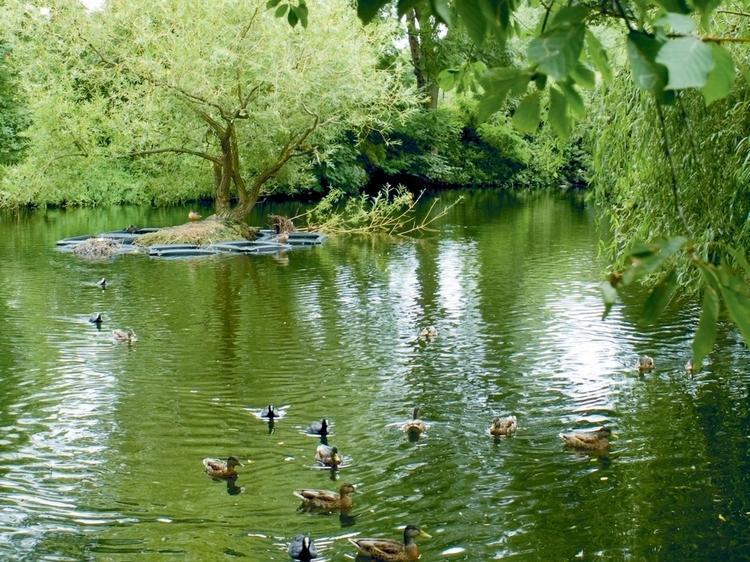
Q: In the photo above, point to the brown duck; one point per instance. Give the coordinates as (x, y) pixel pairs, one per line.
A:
(392, 551)
(588, 440)
(326, 499)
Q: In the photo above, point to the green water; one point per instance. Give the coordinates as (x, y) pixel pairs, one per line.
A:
(101, 443)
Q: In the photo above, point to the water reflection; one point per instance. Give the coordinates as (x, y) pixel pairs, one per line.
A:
(510, 286)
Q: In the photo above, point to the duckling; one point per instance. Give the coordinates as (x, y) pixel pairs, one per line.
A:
(644, 364)
(325, 499)
(301, 547)
(392, 551)
(282, 237)
(415, 427)
(318, 428)
(193, 216)
(588, 440)
(328, 456)
(102, 283)
(124, 336)
(221, 469)
(97, 319)
(428, 333)
(504, 426)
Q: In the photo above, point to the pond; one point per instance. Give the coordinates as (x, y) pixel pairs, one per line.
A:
(102, 442)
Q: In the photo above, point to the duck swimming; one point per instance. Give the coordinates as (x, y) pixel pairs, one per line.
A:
(326, 499)
(318, 428)
(221, 469)
(270, 412)
(414, 427)
(193, 216)
(328, 456)
(124, 336)
(97, 319)
(392, 551)
(428, 333)
(504, 426)
(302, 548)
(597, 440)
(644, 364)
(102, 283)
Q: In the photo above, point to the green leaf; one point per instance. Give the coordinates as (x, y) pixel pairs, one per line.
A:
(584, 77)
(526, 117)
(679, 23)
(720, 80)
(688, 59)
(705, 7)
(368, 9)
(281, 10)
(569, 15)
(292, 17)
(470, 12)
(442, 11)
(574, 100)
(557, 51)
(272, 4)
(558, 116)
(497, 83)
(738, 306)
(647, 74)
(647, 259)
(675, 6)
(447, 78)
(659, 298)
(598, 55)
(609, 295)
(705, 334)
(740, 258)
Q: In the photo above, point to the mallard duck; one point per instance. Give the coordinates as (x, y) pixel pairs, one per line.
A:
(644, 364)
(193, 216)
(504, 426)
(301, 547)
(328, 456)
(318, 428)
(597, 440)
(415, 427)
(428, 333)
(96, 319)
(392, 551)
(124, 335)
(102, 283)
(325, 499)
(221, 469)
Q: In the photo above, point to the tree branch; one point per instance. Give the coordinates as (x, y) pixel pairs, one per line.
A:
(198, 153)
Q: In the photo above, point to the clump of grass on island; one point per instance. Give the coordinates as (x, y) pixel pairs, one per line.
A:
(97, 248)
(200, 233)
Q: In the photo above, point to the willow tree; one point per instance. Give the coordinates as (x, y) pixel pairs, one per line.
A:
(154, 88)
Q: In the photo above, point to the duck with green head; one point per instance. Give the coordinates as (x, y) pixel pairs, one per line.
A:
(218, 468)
(392, 551)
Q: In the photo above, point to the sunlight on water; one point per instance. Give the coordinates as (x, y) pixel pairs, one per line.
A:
(101, 444)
